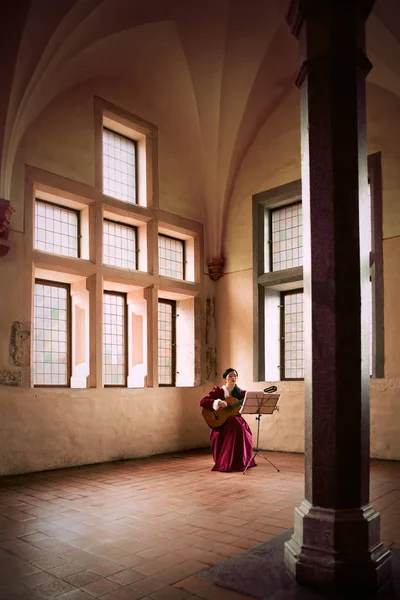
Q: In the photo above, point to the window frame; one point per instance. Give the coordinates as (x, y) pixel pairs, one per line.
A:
(282, 341)
(279, 197)
(89, 277)
(145, 134)
(271, 210)
(376, 265)
(67, 208)
(135, 145)
(288, 194)
(67, 287)
(171, 237)
(135, 228)
(124, 296)
(172, 303)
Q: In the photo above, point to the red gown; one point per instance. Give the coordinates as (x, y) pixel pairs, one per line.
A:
(232, 443)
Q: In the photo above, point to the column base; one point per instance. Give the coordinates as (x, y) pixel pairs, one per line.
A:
(337, 548)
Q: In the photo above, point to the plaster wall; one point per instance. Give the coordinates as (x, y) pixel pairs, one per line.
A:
(12, 276)
(43, 429)
(279, 144)
(47, 429)
(391, 271)
(284, 430)
(52, 428)
(61, 140)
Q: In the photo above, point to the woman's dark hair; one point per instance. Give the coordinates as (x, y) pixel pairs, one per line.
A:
(236, 392)
(227, 371)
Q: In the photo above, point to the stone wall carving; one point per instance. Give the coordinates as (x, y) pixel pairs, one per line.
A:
(20, 344)
(6, 210)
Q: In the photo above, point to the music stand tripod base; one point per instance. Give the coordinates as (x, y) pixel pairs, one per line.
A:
(259, 403)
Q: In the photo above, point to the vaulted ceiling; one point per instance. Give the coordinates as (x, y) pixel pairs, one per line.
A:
(216, 70)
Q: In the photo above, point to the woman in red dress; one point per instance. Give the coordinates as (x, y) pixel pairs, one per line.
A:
(232, 443)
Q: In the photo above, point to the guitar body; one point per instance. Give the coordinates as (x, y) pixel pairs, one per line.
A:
(217, 418)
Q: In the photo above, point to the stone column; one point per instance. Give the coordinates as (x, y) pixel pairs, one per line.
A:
(337, 531)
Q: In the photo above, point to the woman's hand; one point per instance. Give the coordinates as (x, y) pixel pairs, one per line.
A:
(219, 404)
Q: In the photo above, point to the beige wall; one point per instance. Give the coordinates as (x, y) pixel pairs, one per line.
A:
(61, 140)
(384, 136)
(391, 271)
(47, 429)
(52, 428)
(279, 145)
(42, 429)
(285, 429)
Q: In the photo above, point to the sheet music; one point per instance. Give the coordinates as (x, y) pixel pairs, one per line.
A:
(256, 402)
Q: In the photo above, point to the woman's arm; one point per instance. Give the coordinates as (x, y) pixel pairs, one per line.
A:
(216, 394)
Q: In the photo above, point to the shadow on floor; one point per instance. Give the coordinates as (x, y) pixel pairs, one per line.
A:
(260, 572)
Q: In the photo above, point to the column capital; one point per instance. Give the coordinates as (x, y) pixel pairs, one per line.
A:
(215, 268)
(319, 63)
(302, 9)
(334, 38)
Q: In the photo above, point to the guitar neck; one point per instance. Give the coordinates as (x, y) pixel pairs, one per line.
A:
(233, 405)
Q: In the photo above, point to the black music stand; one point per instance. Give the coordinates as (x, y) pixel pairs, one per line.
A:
(258, 403)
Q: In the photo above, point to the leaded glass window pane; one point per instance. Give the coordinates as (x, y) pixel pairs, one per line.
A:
(171, 257)
(56, 229)
(114, 368)
(166, 347)
(287, 237)
(371, 293)
(50, 334)
(119, 245)
(119, 167)
(293, 335)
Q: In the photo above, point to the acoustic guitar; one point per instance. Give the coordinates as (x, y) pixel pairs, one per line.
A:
(216, 418)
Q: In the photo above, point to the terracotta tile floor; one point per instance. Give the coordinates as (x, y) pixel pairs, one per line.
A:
(144, 528)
